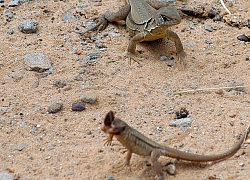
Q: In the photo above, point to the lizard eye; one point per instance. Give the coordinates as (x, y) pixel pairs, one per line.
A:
(165, 18)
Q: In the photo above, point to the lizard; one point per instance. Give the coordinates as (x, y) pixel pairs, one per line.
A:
(136, 142)
(146, 20)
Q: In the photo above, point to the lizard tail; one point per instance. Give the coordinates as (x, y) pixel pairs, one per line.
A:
(174, 153)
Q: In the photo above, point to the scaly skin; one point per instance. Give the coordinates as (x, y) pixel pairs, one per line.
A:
(139, 144)
(146, 20)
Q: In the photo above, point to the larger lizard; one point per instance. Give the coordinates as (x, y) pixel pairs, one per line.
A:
(146, 20)
(137, 143)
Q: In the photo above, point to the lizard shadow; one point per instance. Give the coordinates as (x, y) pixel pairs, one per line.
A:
(159, 48)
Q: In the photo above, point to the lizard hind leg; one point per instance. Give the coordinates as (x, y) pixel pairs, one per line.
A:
(155, 154)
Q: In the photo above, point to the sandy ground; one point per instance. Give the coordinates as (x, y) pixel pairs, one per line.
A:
(70, 145)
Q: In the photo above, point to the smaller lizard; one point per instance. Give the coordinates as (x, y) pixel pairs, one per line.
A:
(146, 20)
(135, 142)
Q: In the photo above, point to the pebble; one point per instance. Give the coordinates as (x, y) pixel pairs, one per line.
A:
(110, 178)
(116, 35)
(14, 3)
(36, 61)
(21, 147)
(8, 13)
(88, 132)
(159, 128)
(247, 57)
(241, 164)
(78, 106)
(59, 83)
(88, 97)
(28, 26)
(69, 16)
(171, 169)
(92, 56)
(243, 38)
(184, 122)
(6, 176)
(99, 44)
(150, 132)
(10, 31)
(55, 107)
(208, 28)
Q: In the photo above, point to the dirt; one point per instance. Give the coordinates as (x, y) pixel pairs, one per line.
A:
(69, 144)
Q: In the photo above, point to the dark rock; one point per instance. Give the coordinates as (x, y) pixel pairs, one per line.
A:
(243, 38)
(78, 106)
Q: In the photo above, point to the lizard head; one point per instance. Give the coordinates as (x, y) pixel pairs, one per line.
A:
(167, 16)
(113, 125)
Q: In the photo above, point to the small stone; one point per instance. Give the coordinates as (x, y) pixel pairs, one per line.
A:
(170, 168)
(208, 28)
(88, 132)
(247, 57)
(10, 31)
(51, 148)
(110, 178)
(92, 56)
(14, 3)
(89, 97)
(241, 164)
(20, 148)
(163, 58)
(115, 35)
(6, 176)
(150, 132)
(8, 13)
(243, 38)
(100, 150)
(59, 83)
(28, 26)
(100, 45)
(159, 128)
(231, 52)
(55, 107)
(36, 61)
(69, 16)
(78, 106)
(184, 122)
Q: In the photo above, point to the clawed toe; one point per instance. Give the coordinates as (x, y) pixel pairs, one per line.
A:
(132, 56)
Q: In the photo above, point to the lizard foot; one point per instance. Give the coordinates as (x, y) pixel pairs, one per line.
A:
(134, 57)
(181, 64)
(102, 23)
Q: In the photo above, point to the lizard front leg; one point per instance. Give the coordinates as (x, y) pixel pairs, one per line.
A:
(140, 37)
(107, 17)
(179, 48)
